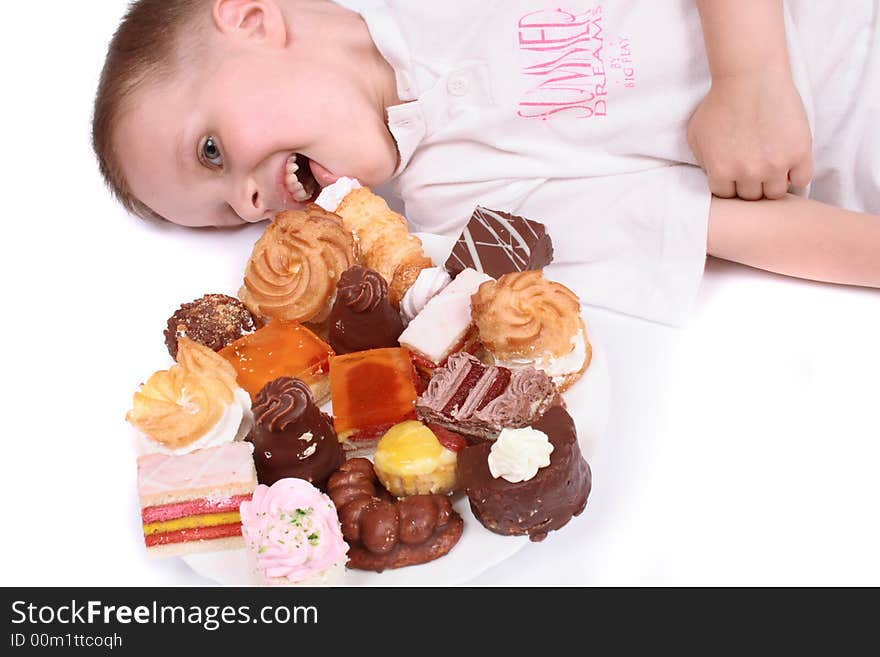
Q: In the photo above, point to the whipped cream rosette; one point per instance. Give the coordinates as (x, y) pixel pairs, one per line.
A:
(526, 320)
(518, 454)
(193, 405)
(429, 283)
(293, 535)
(296, 264)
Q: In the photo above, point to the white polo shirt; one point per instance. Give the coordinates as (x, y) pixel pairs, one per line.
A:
(572, 113)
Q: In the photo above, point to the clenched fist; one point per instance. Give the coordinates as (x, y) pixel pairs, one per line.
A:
(750, 134)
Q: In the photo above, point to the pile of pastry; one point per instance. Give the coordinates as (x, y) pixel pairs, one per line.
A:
(444, 380)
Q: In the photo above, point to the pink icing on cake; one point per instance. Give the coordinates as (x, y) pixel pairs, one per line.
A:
(292, 531)
(220, 472)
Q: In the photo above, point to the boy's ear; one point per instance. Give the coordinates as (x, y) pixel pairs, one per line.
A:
(251, 19)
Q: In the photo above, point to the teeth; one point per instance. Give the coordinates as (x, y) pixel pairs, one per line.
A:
(296, 188)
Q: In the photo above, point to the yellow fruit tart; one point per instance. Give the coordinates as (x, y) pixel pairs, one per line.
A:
(411, 460)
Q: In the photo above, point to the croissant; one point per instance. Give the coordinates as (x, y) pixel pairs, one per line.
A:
(384, 241)
(383, 532)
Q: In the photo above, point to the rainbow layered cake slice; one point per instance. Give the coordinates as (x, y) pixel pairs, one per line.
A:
(190, 503)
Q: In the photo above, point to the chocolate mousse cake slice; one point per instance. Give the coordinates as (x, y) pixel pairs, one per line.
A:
(478, 400)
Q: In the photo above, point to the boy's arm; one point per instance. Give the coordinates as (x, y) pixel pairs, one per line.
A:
(797, 237)
(750, 133)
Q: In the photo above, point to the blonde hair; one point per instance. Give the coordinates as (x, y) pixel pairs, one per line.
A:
(147, 47)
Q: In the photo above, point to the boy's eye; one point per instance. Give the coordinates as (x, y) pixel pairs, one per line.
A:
(209, 153)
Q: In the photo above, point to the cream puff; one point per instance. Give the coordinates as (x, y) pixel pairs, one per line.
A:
(524, 319)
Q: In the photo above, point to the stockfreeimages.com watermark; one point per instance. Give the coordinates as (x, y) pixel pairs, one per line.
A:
(209, 617)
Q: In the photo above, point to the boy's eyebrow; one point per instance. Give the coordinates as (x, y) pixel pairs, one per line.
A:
(180, 151)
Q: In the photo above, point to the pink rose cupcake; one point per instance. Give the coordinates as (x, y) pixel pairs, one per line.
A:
(293, 535)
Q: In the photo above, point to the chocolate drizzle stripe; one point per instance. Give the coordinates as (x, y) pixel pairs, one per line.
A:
(472, 249)
(482, 216)
(511, 253)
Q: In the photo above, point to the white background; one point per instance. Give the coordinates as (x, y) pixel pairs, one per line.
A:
(741, 450)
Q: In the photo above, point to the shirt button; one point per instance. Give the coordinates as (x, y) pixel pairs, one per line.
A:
(404, 82)
(457, 86)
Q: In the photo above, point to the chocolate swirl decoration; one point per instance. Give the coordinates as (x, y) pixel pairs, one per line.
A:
(362, 316)
(291, 436)
(362, 289)
(296, 264)
(281, 403)
(525, 316)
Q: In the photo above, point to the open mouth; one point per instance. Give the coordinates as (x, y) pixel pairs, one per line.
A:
(299, 181)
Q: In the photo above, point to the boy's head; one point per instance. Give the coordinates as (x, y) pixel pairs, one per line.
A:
(214, 112)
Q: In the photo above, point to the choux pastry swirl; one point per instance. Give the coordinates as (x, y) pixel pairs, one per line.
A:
(295, 265)
(524, 315)
(178, 406)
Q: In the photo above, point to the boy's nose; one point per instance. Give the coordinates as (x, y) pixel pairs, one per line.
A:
(248, 203)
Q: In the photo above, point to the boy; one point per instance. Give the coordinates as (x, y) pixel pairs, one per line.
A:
(214, 112)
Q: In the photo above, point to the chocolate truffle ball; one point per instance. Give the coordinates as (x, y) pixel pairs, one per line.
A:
(214, 320)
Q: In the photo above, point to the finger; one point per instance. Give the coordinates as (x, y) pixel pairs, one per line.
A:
(750, 190)
(722, 187)
(776, 187)
(802, 173)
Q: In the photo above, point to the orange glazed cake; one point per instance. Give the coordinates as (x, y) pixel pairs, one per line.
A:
(281, 348)
(372, 391)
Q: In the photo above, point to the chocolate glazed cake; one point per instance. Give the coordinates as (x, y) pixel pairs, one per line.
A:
(539, 505)
(291, 436)
(362, 317)
(478, 400)
(498, 243)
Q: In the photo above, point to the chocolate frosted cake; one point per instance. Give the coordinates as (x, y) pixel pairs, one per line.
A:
(479, 400)
(536, 506)
(291, 436)
(214, 320)
(498, 243)
(362, 317)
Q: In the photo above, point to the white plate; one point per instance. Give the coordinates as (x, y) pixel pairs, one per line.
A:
(479, 549)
